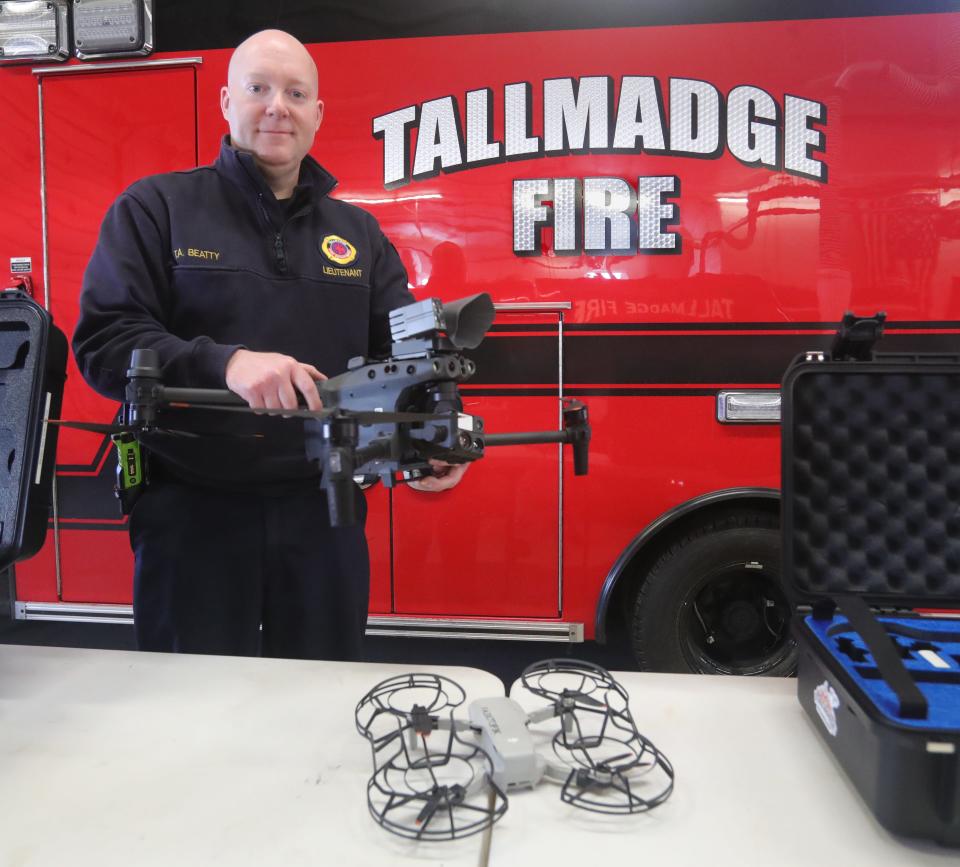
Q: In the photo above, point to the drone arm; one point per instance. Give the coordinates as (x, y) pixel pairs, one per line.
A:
(210, 396)
(525, 439)
(556, 771)
(458, 725)
(145, 392)
(576, 432)
(544, 713)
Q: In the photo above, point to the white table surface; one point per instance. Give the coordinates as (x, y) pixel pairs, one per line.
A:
(119, 758)
(135, 759)
(754, 786)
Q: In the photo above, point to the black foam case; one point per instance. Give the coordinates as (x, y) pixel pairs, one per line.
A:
(871, 517)
(33, 358)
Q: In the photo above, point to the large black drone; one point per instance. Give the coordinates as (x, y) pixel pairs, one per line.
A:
(437, 777)
(383, 418)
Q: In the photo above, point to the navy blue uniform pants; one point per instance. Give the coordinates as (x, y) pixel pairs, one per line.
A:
(247, 575)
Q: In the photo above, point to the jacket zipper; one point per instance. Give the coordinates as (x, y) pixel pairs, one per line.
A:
(279, 251)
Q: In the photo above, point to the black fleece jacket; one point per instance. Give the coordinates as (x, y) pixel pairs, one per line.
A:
(199, 263)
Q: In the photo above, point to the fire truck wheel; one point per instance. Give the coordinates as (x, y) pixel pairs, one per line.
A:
(714, 603)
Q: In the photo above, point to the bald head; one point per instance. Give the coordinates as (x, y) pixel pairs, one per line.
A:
(267, 45)
(272, 105)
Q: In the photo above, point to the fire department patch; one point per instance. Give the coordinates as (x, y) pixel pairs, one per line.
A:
(337, 250)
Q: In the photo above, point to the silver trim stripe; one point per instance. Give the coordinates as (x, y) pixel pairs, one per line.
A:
(435, 627)
(43, 197)
(73, 613)
(43, 439)
(411, 627)
(473, 636)
(130, 64)
(560, 491)
(534, 307)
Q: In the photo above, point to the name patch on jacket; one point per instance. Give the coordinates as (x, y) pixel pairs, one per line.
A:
(196, 253)
(339, 251)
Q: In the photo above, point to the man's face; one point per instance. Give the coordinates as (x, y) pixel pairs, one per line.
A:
(271, 103)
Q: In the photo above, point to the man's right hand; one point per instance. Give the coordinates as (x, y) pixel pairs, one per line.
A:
(269, 380)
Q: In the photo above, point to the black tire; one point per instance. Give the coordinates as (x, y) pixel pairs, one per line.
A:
(714, 602)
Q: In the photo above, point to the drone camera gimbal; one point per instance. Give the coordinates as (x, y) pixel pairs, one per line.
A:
(465, 322)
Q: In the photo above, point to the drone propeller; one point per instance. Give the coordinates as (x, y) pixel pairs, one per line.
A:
(425, 788)
(549, 678)
(605, 760)
(616, 791)
(93, 427)
(401, 694)
(575, 695)
(115, 429)
(415, 807)
(441, 796)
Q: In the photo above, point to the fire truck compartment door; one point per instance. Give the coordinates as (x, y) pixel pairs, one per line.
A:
(491, 546)
(102, 130)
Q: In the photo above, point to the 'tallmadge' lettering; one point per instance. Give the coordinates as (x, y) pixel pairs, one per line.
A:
(579, 117)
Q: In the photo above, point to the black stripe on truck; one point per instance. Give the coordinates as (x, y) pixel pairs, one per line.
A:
(666, 359)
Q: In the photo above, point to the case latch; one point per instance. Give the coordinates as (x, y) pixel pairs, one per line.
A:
(856, 337)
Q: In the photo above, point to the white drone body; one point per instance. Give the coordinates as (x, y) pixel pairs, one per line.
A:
(504, 736)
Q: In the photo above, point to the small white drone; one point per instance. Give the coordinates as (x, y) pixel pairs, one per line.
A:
(455, 784)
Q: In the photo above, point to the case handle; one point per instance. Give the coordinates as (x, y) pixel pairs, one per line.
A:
(913, 703)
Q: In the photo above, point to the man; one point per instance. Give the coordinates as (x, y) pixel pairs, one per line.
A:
(234, 274)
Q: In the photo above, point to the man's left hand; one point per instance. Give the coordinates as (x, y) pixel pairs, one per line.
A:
(445, 476)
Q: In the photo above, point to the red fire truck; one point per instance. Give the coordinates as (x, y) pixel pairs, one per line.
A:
(667, 202)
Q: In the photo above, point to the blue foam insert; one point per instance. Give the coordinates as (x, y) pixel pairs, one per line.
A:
(943, 698)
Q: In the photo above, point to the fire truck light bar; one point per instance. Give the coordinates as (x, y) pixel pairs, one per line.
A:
(112, 28)
(33, 30)
(737, 407)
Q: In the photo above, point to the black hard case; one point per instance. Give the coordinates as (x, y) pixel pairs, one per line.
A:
(871, 511)
(33, 358)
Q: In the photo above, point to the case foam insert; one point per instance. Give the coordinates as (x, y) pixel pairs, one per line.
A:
(940, 686)
(876, 484)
